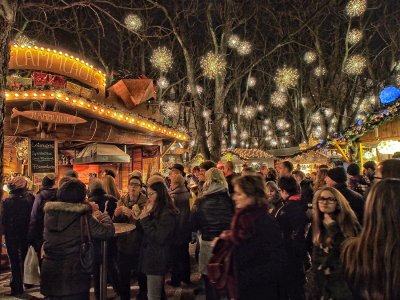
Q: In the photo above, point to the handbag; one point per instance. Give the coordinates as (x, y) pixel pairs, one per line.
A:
(87, 252)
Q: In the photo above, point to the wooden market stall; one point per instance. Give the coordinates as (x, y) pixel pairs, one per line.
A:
(252, 157)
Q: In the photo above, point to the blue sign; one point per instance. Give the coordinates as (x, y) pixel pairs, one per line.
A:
(389, 94)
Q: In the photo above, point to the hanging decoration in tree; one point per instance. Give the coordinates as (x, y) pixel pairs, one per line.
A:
(356, 8)
(260, 107)
(355, 65)
(133, 22)
(319, 71)
(163, 82)
(170, 109)
(274, 143)
(244, 135)
(279, 99)
(304, 101)
(199, 89)
(286, 77)
(213, 65)
(244, 48)
(328, 112)
(310, 57)
(317, 132)
(249, 112)
(23, 40)
(206, 114)
(182, 128)
(162, 59)
(251, 82)
(389, 94)
(354, 36)
(233, 41)
(281, 124)
(316, 117)
(267, 121)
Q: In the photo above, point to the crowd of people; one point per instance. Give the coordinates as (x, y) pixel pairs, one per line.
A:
(276, 233)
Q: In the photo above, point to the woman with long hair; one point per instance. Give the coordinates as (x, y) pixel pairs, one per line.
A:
(273, 198)
(110, 187)
(97, 194)
(372, 260)
(320, 179)
(333, 222)
(158, 220)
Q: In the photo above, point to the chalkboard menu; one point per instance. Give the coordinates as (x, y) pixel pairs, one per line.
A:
(43, 158)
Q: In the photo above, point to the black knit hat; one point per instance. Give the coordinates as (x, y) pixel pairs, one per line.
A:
(207, 165)
(353, 169)
(48, 180)
(337, 174)
(179, 167)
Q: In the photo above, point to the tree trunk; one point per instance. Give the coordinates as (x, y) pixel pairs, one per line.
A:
(216, 132)
(7, 18)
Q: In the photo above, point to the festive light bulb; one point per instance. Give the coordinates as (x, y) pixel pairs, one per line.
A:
(233, 142)
(206, 114)
(213, 65)
(310, 57)
(267, 121)
(244, 135)
(354, 36)
(251, 82)
(317, 132)
(355, 65)
(267, 138)
(316, 117)
(163, 82)
(286, 77)
(260, 107)
(199, 89)
(319, 71)
(133, 22)
(304, 101)
(249, 112)
(170, 109)
(233, 41)
(356, 8)
(281, 124)
(274, 143)
(265, 127)
(162, 59)
(328, 112)
(24, 41)
(279, 99)
(244, 48)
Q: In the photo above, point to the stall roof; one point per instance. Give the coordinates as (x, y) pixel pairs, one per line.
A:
(101, 153)
(246, 154)
(134, 91)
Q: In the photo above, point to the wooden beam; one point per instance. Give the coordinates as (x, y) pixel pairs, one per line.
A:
(341, 150)
(169, 148)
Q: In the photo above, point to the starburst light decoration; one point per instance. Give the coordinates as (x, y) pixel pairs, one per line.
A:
(281, 124)
(251, 82)
(354, 36)
(163, 82)
(249, 112)
(286, 77)
(310, 57)
(274, 143)
(317, 132)
(170, 109)
(199, 89)
(162, 59)
(244, 135)
(182, 128)
(279, 99)
(133, 22)
(206, 114)
(233, 41)
(213, 65)
(328, 112)
(355, 65)
(267, 121)
(244, 48)
(23, 40)
(316, 117)
(319, 71)
(304, 101)
(260, 107)
(356, 8)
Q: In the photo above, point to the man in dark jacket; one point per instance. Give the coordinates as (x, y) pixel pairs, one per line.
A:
(229, 171)
(16, 214)
(292, 221)
(337, 178)
(357, 182)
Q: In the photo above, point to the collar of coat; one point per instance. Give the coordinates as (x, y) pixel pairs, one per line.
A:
(66, 207)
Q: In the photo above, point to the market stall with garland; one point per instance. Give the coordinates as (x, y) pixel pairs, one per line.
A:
(251, 157)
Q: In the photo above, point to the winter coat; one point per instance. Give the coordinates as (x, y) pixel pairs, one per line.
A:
(181, 198)
(36, 225)
(16, 214)
(260, 258)
(158, 237)
(327, 267)
(359, 185)
(229, 180)
(61, 273)
(212, 214)
(104, 201)
(355, 200)
(130, 243)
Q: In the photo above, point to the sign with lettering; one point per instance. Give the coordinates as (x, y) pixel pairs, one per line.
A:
(35, 58)
(47, 116)
(43, 156)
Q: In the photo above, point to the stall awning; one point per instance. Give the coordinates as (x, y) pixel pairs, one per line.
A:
(134, 91)
(101, 153)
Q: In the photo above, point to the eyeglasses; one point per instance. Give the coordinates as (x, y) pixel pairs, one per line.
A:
(151, 194)
(330, 200)
(134, 184)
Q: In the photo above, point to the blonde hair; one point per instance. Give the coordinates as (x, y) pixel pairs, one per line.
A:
(216, 176)
(95, 183)
(178, 179)
(110, 187)
(344, 216)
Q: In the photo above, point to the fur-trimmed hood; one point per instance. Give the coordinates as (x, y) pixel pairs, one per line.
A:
(59, 215)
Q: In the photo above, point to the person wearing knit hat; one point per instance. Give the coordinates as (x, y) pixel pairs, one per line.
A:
(137, 174)
(18, 182)
(155, 178)
(48, 181)
(71, 173)
(337, 178)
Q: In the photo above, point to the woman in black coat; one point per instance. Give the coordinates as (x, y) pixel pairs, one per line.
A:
(158, 220)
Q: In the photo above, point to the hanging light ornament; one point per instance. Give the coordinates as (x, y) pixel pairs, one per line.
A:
(354, 36)
(267, 121)
(316, 117)
(310, 57)
(182, 128)
(286, 77)
(279, 99)
(233, 41)
(281, 124)
(251, 82)
(233, 142)
(356, 8)
(199, 89)
(170, 109)
(260, 107)
(23, 40)
(162, 59)
(244, 135)
(355, 65)
(133, 22)
(328, 112)
(319, 71)
(304, 101)
(213, 65)
(244, 48)
(249, 112)
(163, 82)
(274, 143)
(265, 127)
(206, 114)
(317, 132)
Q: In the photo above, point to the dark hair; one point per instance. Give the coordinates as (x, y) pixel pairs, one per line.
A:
(230, 165)
(71, 173)
(163, 200)
(390, 168)
(396, 155)
(288, 165)
(272, 174)
(64, 180)
(307, 191)
(353, 169)
(248, 170)
(252, 186)
(323, 167)
(137, 178)
(195, 168)
(370, 165)
(72, 191)
(109, 172)
(207, 165)
(288, 184)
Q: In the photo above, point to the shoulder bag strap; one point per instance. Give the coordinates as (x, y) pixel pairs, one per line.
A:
(85, 231)
(89, 237)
